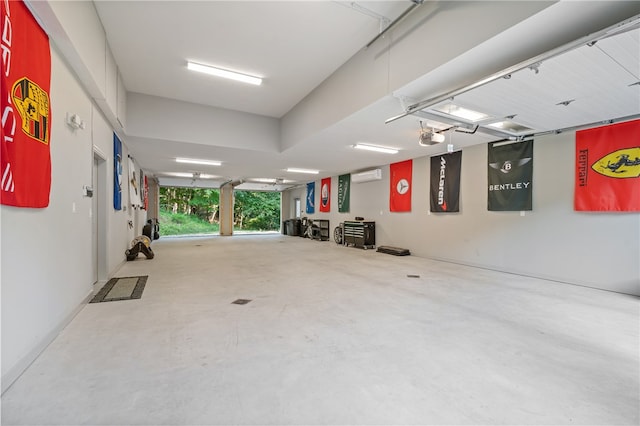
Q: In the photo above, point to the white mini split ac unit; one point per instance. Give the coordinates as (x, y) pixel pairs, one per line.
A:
(366, 176)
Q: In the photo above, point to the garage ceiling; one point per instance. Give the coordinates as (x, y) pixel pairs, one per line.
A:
(296, 45)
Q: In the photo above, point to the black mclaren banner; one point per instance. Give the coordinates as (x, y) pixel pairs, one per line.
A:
(445, 182)
(510, 175)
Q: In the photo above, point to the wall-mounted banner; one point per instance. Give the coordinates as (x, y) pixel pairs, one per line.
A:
(608, 168)
(311, 196)
(141, 186)
(25, 159)
(134, 186)
(445, 182)
(117, 173)
(325, 195)
(400, 190)
(344, 193)
(145, 191)
(510, 176)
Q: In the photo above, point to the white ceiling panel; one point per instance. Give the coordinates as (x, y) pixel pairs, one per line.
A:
(624, 49)
(595, 80)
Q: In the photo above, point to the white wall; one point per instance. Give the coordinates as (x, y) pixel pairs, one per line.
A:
(75, 28)
(155, 117)
(119, 234)
(600, 250)
(46, 253)
(47, 272)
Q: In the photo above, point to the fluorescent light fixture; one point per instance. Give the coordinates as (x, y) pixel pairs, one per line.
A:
(458, 111)
(197, 161)
(190, 175)
(272, 181)
(376, 148)
(510, 126)
(219, 72)
(295, 170)
(182, 175)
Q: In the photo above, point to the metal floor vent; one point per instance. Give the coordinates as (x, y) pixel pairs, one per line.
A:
(413, 276)
(241, 301)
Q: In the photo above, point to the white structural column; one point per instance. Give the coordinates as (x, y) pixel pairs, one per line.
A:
(153, 196)
(226, 209)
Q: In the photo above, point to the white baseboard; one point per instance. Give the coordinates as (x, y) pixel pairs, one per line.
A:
(16, 371)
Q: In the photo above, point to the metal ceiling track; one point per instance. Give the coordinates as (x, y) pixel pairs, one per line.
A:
(569, 129)
(591, 39)
(588, 125)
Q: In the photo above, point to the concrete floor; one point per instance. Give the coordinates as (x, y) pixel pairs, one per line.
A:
(335, 335)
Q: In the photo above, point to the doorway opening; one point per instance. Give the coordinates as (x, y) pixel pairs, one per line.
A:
(256, 211)
(191, 211)
(99, 202)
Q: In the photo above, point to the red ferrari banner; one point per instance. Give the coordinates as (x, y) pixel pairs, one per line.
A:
(25, 162)
(325, 195)
(608, 168)
(400, 191)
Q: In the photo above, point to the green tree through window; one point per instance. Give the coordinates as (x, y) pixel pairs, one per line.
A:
(186, 211)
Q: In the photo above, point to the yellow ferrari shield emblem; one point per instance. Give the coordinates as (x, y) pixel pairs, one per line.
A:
(620, 164)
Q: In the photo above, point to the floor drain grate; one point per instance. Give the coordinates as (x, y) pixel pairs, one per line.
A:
(241, 301)
(413, 276)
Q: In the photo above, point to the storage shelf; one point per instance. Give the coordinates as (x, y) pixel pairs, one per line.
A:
(320, 230)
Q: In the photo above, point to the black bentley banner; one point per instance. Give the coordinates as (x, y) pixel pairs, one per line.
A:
(344, 192)
(510, 175)
(445, 182)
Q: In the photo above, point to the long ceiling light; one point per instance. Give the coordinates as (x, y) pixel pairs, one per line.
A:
(197, 161)
(219, 72)
(295, 170)
(376, 148)
(190, 175)
(275, 181)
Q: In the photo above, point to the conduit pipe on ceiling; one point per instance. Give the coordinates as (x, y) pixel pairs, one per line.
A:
(383, 20)
(396, 21)
(587, 126)
(232, 182)
(570, 129)
(621, 27)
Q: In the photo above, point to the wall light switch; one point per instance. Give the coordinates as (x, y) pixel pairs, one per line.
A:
(73, 207)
